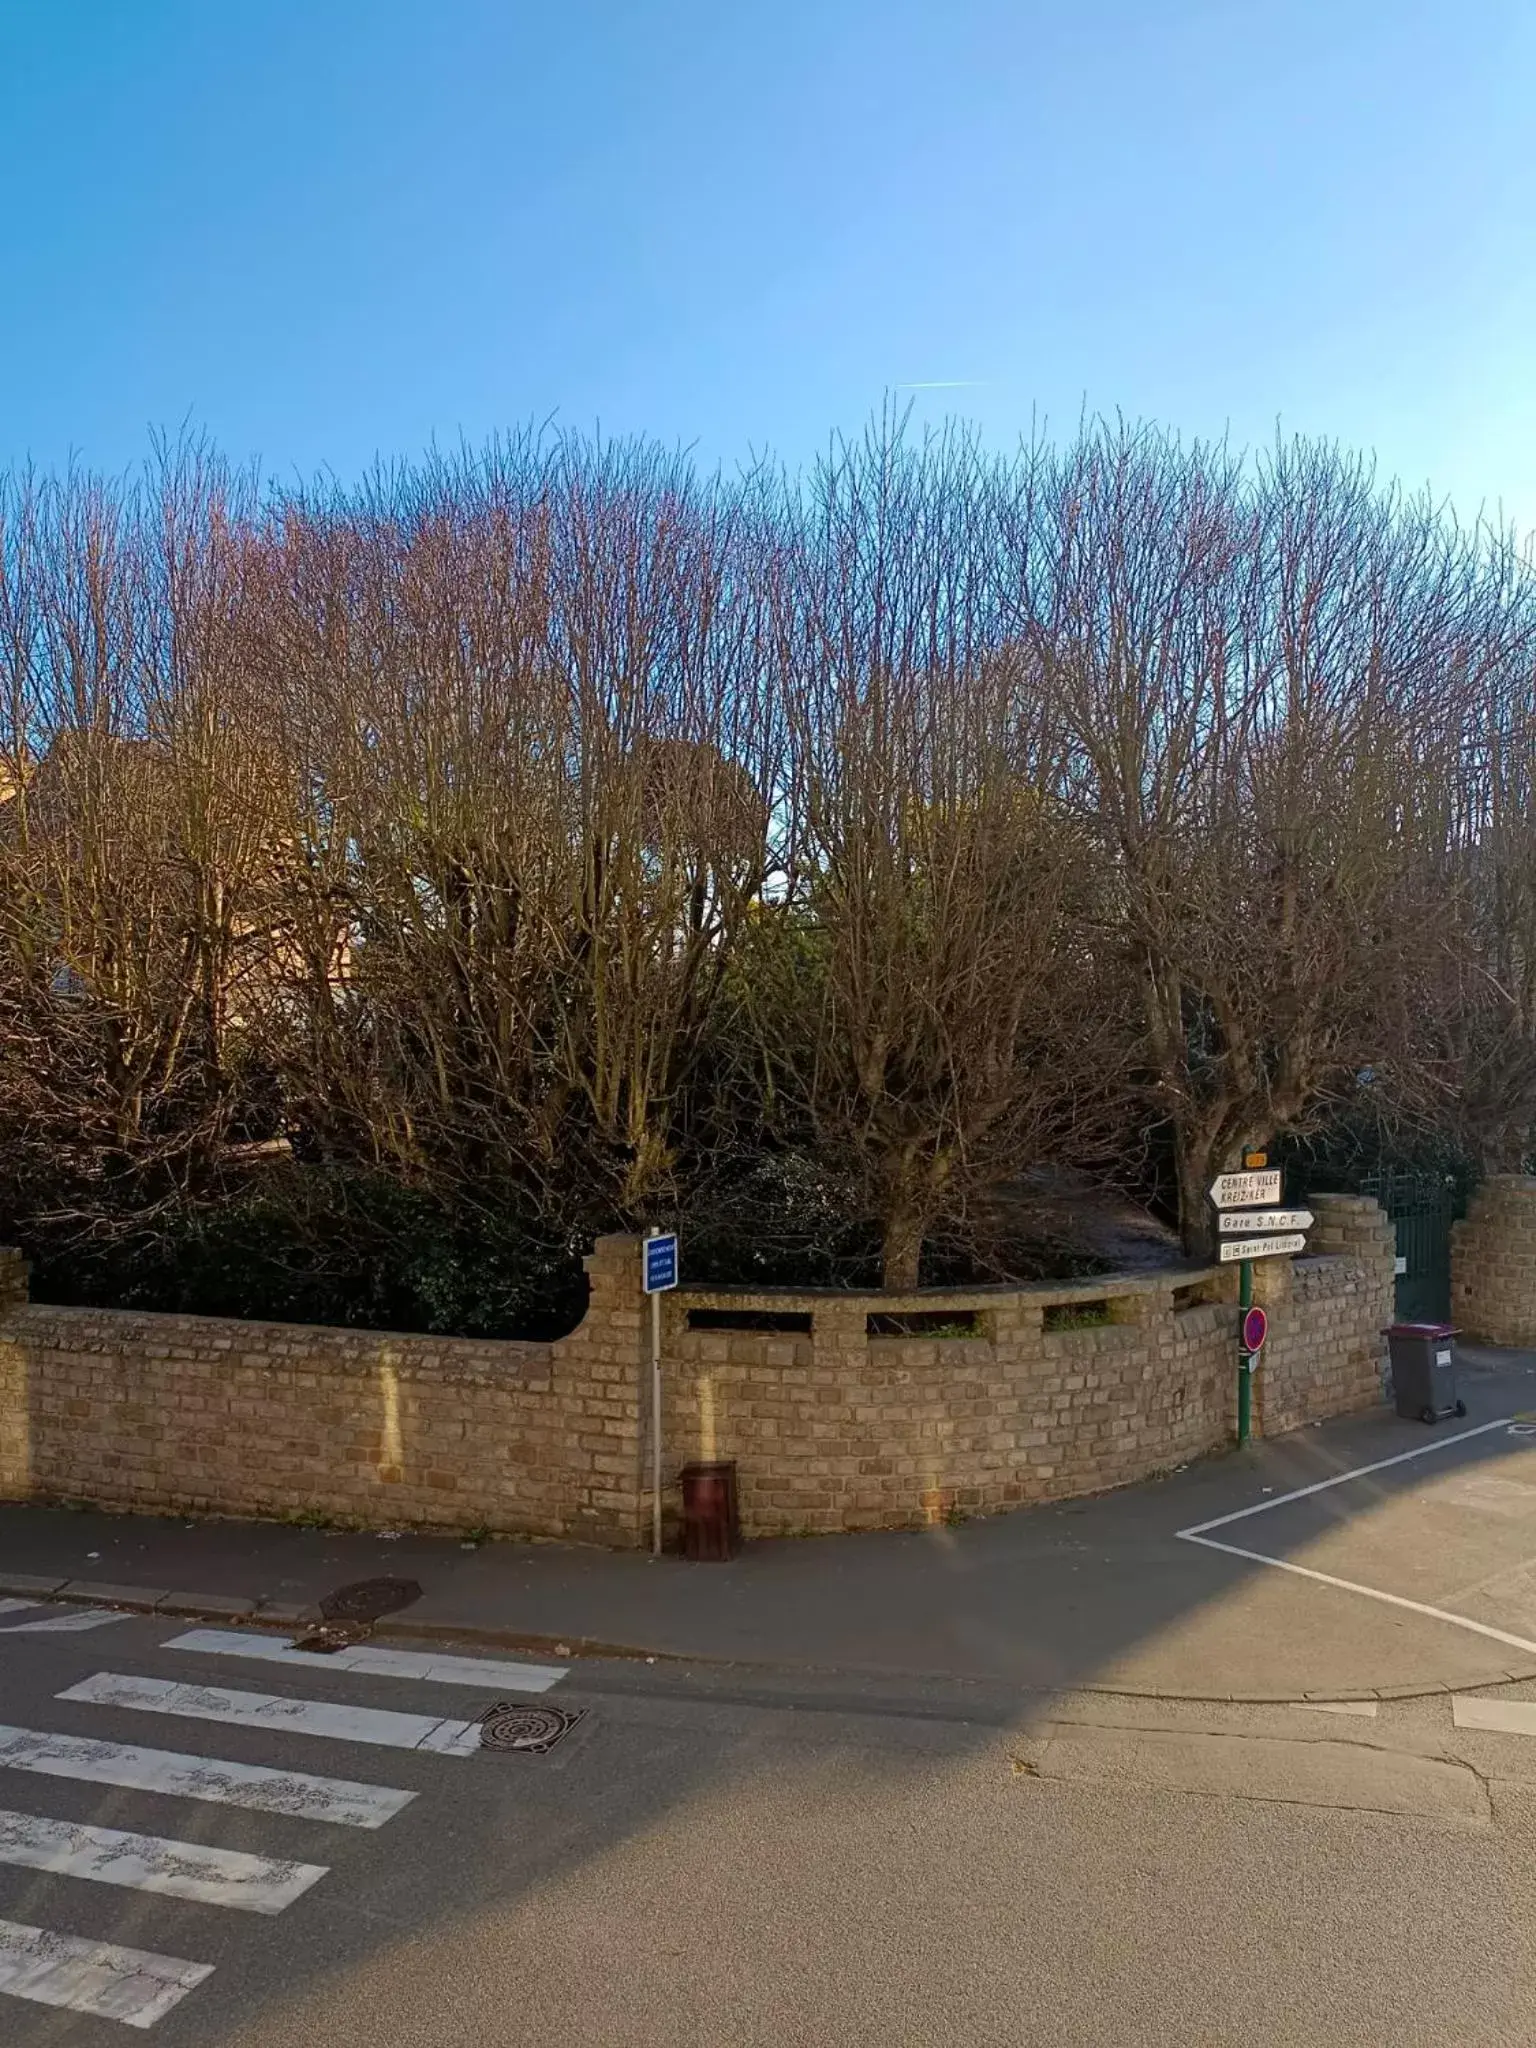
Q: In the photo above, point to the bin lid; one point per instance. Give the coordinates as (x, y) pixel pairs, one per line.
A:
(1420, 1330)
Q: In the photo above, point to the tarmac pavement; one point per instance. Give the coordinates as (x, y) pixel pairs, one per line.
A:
(701, 1869)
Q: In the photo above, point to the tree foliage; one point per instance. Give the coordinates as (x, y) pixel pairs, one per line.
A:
(550, 837)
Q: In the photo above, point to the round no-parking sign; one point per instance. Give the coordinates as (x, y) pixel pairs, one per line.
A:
(1255, 1329)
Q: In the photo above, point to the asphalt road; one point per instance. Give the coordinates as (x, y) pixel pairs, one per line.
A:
(703, 1860)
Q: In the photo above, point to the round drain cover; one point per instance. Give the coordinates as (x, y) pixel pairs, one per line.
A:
(367, 1599)
(532, 1730)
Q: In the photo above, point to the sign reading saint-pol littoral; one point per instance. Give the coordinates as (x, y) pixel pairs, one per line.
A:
(1233, 1248)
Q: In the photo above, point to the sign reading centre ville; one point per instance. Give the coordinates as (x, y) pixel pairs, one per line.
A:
(1245, 1190)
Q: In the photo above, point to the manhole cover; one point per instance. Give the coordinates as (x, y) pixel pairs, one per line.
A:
(367, 1599)
(531, 1730)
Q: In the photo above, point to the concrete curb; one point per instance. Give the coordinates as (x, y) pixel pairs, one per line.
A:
(281, 1614)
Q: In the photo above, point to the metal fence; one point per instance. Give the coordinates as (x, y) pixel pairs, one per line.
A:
(1422, 1206)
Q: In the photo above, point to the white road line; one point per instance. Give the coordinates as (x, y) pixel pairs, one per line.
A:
(264, 1710)
(95, 1977)
(1365, 1710)
(1302, 1571)
(1503, 1717)
(18, 1606)
(1263, 1507)
(150, 1863)
(75, 1623)
(297, 1793)
(492, 1673)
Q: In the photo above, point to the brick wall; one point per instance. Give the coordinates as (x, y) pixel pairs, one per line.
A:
(838, 1429)
(196, 1413)
(1493, 1263)
(832, 1427)
(1325, 1354)
(13, 1279)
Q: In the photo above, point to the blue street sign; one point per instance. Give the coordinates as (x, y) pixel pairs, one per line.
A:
(660, 1264)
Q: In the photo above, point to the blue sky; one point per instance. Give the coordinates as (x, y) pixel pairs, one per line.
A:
(329, 230)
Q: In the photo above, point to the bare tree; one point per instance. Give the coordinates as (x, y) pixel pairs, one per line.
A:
(915, 979)
(1254, 670)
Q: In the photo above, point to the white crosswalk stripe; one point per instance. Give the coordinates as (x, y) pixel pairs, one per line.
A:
(296, 1793)
(137, 1986)
(1498, 1717)
(378, 1662)
(19, 1606)
(379, 1725)
(150, 1863)
(95, 1977)
(78, 1621)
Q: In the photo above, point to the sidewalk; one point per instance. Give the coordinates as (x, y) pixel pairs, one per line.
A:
(1089, 1593)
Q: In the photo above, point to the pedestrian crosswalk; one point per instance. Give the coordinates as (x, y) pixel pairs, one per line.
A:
(383, 1663)
(137, 1986)
(1498, 1717)
(196, 1777)
(75, 1621)
(381, 1725)
(99, 1978)
(150, 1863)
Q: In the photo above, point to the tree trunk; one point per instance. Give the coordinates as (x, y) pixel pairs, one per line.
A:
(901, 1250)
(1197, 1222)
(1201, 1156)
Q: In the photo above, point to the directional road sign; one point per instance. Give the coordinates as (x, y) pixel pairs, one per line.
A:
(660, 1264)
(1234, 1248)
(1233, 1221)
(1243, 1190)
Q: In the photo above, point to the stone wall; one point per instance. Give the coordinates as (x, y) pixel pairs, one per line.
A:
(13, 1279)
(1493, 1263)
(966, 1402)
(841, 1429)
(838, 1428)
(1325, 1354)
(130, 1410)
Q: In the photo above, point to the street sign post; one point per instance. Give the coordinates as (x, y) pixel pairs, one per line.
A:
(1240, 1200)
(1246, 1248)
(658, 1272)
(1240, 1222)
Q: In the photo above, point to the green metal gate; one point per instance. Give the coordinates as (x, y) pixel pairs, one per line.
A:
(1422, 1207)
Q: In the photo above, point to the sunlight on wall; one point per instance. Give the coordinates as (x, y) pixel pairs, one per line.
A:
(391, 1453)
(15, 1422)
(707, 1434)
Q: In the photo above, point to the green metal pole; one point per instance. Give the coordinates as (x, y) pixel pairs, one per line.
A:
(1244, 1359)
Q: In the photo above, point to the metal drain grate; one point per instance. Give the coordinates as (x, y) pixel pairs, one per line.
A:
(367, 1599)
(529, 1730)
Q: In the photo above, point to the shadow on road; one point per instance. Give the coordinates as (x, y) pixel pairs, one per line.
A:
(953, 1637)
